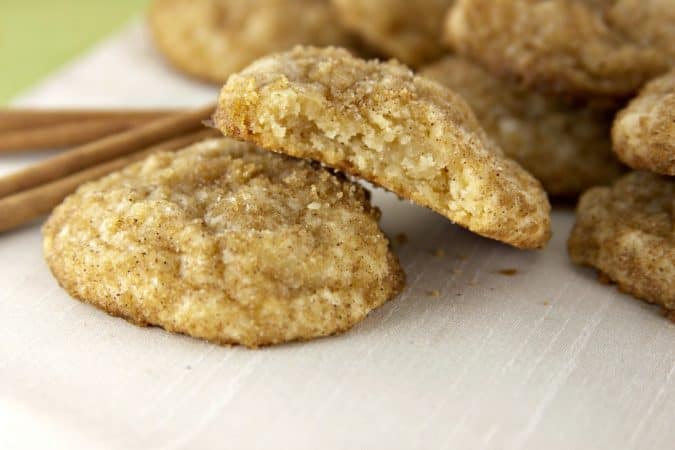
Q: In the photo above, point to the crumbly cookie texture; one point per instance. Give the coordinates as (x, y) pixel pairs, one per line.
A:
(225, 242)
(406, 30)
(566, 147)
(577, 48)
(210, 39)
(627, 232)
(380, 122)
(644, 132)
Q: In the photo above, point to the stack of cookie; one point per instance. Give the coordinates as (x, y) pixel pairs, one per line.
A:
(627, 230)
(267, 241)
(552, 76)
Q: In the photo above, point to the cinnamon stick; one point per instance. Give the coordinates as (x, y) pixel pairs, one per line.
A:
(104, 149)
(22, 118)
(62, 134)
(24, 207)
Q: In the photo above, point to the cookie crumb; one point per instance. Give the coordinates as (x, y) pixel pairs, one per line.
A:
(508, 272)
(401, 238)
(434, 293)
(439, 253)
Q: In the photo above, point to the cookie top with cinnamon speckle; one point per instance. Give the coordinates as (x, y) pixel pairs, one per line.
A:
(225, 242)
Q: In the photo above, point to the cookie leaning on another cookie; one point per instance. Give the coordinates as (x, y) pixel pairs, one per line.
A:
(210, 39)
(409, 31)
(575, 48)
(627, 231)
(381, 122)
(644, 132)
(225, 242)
(566, 147)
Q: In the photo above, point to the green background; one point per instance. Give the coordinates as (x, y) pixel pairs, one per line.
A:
(38, 36)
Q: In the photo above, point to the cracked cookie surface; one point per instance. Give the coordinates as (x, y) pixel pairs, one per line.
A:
(225, 242)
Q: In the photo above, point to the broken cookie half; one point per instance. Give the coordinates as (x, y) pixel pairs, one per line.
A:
(380, 122)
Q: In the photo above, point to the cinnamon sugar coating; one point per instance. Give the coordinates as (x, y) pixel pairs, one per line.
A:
(644, 132)
(225, 242)
(627, 232)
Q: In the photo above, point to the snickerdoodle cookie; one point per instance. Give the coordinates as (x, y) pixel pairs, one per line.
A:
(567, 147)
(225, 242)
(644, 132)
(627, 231)
(409, 31)
(210, 39)
(379, 121)
(576, 48)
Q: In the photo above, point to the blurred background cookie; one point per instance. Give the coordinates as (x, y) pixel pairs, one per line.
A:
(627, 232)
(644, 132)
(575, 48)
(381, 122)
(650, 23)
(409, 31)
(225, 242)
(567, 147)
(210, 39)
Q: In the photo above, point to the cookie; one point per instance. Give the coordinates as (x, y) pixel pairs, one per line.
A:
(210, 39)
(650, 23)
(405, 30)
(225, 242)
(644, 132)
(380, 122)
(627, 232)
(567, 147)
(575, 48)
